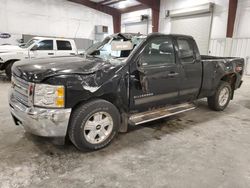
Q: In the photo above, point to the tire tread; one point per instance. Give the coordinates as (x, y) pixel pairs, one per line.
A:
(76, 115)
(213, 100)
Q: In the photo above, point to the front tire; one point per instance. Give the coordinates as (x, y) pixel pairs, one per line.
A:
(94, 125)
(220, 100)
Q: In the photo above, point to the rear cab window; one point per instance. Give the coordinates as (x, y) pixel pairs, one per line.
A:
(185, 50)
(63, 45)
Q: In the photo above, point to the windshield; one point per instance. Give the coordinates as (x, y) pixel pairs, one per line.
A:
(29, 43)
(115, 48)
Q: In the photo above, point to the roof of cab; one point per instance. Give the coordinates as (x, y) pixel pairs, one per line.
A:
(172, 35)
(51, 38)
(130, 35)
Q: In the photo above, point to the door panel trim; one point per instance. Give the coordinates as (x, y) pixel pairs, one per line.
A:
(189, 91)
(154, 98)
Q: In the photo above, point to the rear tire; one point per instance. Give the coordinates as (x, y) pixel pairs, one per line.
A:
(94, 125)
(8, 70)
(220, 100)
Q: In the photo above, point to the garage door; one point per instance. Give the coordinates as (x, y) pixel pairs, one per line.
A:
(197, 26)
(138, 27)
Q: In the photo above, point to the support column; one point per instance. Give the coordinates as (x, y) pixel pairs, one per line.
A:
(117, 23)
(231, 17)
(155, 7)
(155, 20)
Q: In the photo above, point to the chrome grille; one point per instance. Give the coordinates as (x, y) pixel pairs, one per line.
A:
(21, 90)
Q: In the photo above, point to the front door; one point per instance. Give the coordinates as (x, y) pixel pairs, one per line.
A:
(43, 49)
(156, 81)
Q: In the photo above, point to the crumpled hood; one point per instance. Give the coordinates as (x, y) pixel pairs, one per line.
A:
(39, 69)
(9, 48)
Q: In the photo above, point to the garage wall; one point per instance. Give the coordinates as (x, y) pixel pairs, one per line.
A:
(51, 18)
(242, 29)
(218, 22)
(239, 45)
(241, 41)
(198, 26)
(131, 22)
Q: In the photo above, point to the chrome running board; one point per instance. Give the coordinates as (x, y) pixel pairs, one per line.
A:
(144, 117)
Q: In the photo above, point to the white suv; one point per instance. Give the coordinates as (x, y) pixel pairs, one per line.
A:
(37, 47)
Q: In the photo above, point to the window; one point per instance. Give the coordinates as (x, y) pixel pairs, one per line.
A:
(159, 51)
(63, 45)
(186, 52)
(45, 45)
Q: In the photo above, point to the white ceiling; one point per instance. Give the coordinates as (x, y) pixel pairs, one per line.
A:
(119, 5)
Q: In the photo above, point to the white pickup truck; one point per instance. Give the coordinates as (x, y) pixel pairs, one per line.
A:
(37, 47)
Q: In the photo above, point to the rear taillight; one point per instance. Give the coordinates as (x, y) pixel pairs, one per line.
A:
(238, 68)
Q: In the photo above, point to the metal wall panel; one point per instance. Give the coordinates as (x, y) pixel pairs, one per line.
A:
(217, 47)
(240, 48)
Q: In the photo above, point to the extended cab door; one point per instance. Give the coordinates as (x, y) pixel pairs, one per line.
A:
(155, 81)
(43, 49)
(65, 48)
(190, 69)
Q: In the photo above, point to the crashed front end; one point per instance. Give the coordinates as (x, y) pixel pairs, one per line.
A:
(39, 108)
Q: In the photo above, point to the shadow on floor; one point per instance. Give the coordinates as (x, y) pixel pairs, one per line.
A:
(137, 134)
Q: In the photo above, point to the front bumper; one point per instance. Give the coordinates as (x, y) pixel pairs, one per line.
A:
(40, 121)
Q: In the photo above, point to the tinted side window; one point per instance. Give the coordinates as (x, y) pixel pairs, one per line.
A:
(63, 45)
(45, 45)
(158, 51)
(186, 51)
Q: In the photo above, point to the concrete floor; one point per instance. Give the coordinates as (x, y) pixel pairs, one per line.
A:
(201, 148)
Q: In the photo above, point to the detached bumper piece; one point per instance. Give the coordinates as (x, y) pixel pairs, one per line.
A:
(144, 117)
(240, 84)
(40, 121)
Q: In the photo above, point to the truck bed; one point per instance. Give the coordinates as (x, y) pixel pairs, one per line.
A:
(213, 70)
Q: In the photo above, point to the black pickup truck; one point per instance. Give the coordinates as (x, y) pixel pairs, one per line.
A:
(126, 79)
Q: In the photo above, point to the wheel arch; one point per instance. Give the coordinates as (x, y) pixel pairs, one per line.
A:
(8, 62)
(112, 98)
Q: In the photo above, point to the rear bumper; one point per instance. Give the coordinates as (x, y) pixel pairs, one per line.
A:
(40, 121)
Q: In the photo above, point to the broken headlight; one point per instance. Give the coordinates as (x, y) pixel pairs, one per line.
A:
(49, 96)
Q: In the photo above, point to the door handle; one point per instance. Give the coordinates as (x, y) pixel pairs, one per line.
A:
(50, 53)
(72, 54)
(173, 74)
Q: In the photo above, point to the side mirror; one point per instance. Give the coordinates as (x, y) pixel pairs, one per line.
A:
(140, 64)
(34, 48)
(82, 52)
